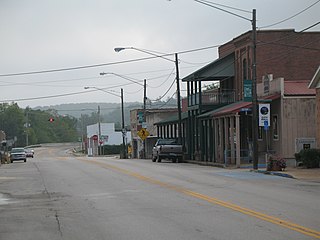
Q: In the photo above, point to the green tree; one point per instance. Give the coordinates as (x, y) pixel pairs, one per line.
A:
(12, 122)
(34, 125)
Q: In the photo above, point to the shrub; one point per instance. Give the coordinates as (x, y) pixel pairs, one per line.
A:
(276, 163)
(310, 158)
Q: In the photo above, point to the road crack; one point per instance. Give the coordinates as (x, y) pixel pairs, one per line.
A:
(56, 215)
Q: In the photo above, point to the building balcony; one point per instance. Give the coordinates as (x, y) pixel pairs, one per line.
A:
(216, 98)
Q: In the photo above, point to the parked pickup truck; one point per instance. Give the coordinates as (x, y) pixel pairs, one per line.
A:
(167, 148)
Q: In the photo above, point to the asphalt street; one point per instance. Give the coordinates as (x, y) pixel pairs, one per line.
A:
(57, 195)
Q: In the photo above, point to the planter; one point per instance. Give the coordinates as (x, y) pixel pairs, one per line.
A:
(274, 167)
(276, 163)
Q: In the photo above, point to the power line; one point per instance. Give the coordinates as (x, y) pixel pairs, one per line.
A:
(102, 64)
(290, 35)
(168, 77)
(209, 4)
(286, 19)
(165, 92)
(287, 53)
(226, 6)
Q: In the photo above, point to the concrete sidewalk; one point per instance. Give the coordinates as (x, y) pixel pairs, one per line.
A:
(311, 175)
(308, 174)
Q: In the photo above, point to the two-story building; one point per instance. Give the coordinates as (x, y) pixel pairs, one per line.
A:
(217, 114)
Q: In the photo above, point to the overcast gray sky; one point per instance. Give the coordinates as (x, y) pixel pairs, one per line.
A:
(39, 35)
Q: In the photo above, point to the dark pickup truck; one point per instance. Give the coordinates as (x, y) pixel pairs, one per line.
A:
(167, 148)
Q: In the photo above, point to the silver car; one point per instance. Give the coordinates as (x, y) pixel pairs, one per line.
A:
(18, 154)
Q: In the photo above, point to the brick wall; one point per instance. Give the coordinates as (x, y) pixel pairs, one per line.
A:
(283, 53)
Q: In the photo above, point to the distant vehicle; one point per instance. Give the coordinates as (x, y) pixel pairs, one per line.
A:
(167, 148)
(29, 152)
(18, 154)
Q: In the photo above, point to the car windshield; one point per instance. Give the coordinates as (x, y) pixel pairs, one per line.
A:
(167, 141)
(17, 150)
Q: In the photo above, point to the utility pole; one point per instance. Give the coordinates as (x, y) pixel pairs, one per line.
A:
(254, 94)
(99, 129)
(178, 100)
(123, 128)
(27, 126)
(144, 114)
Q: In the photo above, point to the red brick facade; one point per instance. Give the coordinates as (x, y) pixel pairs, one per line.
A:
(283, 53)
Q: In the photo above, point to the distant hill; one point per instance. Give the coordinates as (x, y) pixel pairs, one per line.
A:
(76, 109)
(110, 112)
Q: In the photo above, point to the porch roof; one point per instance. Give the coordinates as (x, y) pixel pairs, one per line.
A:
(222, 68)
(173, 119)
(235, 107)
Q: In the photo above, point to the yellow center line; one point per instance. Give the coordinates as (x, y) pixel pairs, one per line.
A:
(247, 211)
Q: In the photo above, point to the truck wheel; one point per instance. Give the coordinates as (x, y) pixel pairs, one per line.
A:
(174, 160)
(159, 159)
(153, 158)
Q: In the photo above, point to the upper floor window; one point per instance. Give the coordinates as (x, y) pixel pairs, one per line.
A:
(244, 69)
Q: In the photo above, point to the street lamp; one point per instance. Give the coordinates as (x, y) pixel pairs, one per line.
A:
(118, 49)
(121, 76)
(123, 131)
(254, 77)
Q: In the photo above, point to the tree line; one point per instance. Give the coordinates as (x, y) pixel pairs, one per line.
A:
(28, 127)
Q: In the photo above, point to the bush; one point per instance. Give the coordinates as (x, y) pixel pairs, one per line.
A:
(310, 158)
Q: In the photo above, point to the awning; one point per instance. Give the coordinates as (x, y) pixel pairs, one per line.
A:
(235, 107)
(220, 69)
(173, 119)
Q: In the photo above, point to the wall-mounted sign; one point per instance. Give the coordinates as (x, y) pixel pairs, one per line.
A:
(247, 90)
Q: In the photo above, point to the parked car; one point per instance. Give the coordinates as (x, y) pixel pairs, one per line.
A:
(17, 154)
(167, 148)
(29, 152)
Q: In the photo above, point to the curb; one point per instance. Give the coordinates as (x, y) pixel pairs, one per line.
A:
(273, 173)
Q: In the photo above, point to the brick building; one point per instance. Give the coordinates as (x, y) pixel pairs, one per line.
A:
(285, 54)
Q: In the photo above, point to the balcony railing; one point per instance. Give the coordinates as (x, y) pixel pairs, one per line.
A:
(212, 98)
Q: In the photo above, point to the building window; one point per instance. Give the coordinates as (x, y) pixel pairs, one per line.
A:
(275, 127)
(244, 69)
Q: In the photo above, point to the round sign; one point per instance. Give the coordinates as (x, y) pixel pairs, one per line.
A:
(264, 110)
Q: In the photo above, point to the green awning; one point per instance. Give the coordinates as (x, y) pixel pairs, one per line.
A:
(172, 119)
(222, 68)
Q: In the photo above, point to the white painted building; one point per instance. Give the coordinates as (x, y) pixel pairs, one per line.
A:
(109, 136)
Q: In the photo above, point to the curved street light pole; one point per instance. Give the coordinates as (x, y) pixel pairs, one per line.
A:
(176, 61)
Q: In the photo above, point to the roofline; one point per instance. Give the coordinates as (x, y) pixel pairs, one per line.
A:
(191, 75)
(258, 31)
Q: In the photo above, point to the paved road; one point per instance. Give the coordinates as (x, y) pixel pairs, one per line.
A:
(59, 196)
